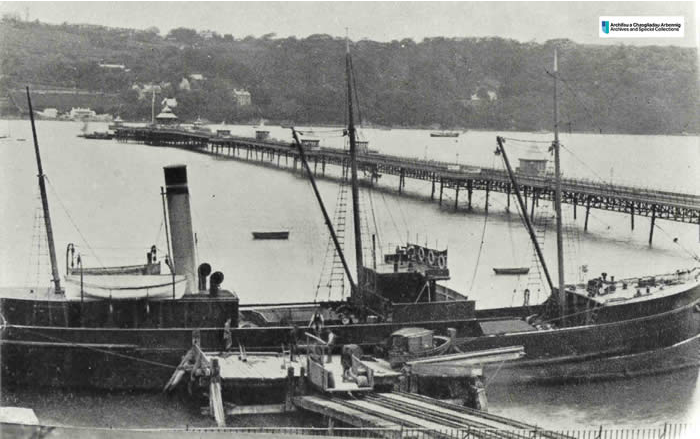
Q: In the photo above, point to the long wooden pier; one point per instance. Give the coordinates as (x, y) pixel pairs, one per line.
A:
(585, 194)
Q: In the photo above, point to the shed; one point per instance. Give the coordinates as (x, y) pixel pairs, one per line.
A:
(412, 340)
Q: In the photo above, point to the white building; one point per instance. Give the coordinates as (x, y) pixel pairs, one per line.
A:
(242, 97)
(81, 113)
(169, 102)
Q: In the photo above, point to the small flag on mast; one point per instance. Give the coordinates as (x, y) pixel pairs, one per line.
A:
(555, 60)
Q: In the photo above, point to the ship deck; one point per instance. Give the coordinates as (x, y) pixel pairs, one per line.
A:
(47, 294)
(641, 289)
(268, 367)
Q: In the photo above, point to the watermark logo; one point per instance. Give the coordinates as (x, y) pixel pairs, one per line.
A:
(641, 27)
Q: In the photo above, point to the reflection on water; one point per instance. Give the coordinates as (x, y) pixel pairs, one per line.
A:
(105, 197)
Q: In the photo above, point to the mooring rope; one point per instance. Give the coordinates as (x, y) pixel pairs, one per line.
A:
(103, 351)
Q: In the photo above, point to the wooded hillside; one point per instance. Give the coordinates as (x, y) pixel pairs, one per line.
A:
(487, 83)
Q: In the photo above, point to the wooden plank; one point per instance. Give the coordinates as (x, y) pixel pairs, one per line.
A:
(341, 412)
(257, 409)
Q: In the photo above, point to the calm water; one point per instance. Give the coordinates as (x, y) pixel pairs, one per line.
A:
(105, 197)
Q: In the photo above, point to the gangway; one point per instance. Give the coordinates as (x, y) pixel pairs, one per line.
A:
(397, 410)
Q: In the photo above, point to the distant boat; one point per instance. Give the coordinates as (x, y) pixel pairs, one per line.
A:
(444, 134)
(271, 235)
(512, 270)
(97, 135)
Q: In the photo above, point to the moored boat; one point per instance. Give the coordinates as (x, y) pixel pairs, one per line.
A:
(512, 270)
(271, 235)
(444, 134)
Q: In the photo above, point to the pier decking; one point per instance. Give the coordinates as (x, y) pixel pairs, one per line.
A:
(391, 411)
(587, 194)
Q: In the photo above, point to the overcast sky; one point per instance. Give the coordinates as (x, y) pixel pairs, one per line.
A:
(380, 21)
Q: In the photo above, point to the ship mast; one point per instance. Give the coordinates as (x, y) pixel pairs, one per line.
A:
(45, 204)
(557, 195)
(353, 171)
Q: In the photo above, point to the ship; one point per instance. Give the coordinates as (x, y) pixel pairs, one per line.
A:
(511, 270)
(444, 134)
(271, 235)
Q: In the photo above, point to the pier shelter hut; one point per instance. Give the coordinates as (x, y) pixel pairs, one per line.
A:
(166, 117)
(310, 143)
(533, 162)
(362, 146)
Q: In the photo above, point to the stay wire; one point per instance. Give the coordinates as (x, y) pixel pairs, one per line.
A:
(91, 348)
(70, 218)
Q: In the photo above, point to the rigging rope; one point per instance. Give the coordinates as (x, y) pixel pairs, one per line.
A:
(70, 218)
(481, 245)
(547, 142)
(91, 348)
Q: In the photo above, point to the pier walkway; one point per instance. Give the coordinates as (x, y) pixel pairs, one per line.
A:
(586, 194)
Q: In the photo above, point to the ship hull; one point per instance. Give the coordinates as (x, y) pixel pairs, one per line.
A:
(653, 344)
(113, 358)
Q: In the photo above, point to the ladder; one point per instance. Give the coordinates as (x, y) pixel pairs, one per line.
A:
(332, 278)
(535, 280)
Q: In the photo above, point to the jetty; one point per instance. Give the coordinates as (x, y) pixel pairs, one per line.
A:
(580, 193)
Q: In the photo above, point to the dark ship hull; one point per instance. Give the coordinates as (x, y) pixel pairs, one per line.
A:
(664, 338)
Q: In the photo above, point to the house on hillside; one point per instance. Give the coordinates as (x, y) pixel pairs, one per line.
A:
(169, 102)
(81, 113)
(207, 34)
(108, 66)
(48, 113)
(197, 77)
(242, 97)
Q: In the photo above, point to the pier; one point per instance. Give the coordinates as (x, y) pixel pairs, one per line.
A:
(580, 193)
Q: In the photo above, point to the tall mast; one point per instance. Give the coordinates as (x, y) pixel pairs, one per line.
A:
(45, 204)
(557, 194)
(353, 171)
(501, 150)
(329, 223)
(153, 106)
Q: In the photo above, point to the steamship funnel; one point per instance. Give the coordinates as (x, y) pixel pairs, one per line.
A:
(180, 221)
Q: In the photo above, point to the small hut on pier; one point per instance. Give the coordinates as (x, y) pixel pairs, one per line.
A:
(533, 162)
(166, 117)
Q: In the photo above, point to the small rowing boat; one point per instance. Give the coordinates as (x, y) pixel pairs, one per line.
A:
(271, 235)
(512, 270)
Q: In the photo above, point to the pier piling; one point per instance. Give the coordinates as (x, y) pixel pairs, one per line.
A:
(588, 211)
(632, 214)
(653, 220)
(470, 188)
(486, 203)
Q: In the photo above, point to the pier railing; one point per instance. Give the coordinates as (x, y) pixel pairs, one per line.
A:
(666, 431)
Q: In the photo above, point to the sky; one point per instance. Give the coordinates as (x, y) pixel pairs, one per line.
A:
(379, 21)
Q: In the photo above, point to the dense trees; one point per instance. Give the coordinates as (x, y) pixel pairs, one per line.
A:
(489, 83)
